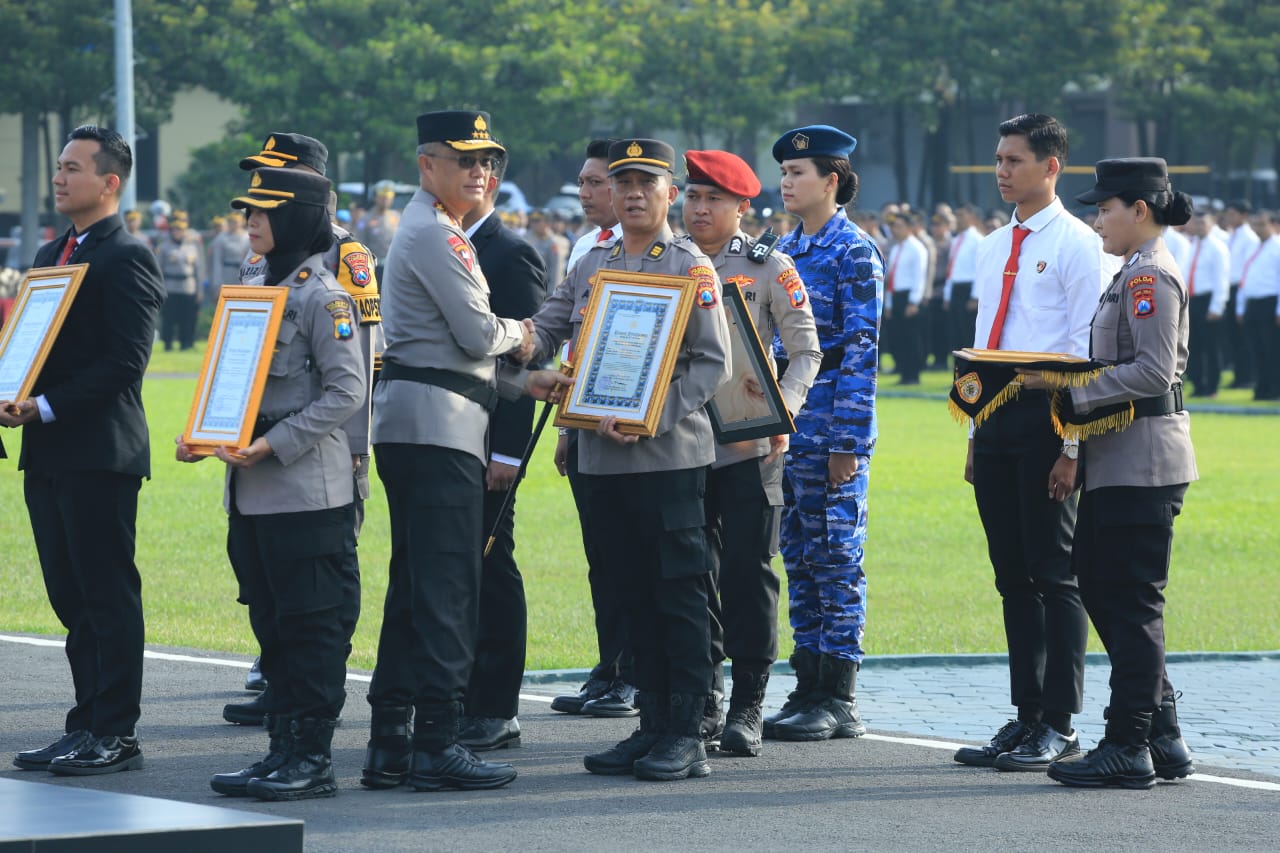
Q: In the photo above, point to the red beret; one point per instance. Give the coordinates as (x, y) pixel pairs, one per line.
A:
(727, 171)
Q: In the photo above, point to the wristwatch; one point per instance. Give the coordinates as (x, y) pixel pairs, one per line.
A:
(1071, 451)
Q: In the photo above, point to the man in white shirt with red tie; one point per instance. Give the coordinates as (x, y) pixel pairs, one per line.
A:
(1208, 288)
(1256, 304)
(905, 285)
(958, 292)
(1241, 242)
(1038, 281)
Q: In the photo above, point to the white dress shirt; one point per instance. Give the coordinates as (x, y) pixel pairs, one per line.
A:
(584, 243)
(1180, 247)
(909, 267)
(1242, 242)
(1062, 272)
(964, 254)
(1207, 271)
(1261, 277)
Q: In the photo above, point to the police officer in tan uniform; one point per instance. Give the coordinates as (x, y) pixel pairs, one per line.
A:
(352, 264)
(291, 534)
(650, 490)
(744, 486)
(1138, 461)
(182, 263)
(431, 416)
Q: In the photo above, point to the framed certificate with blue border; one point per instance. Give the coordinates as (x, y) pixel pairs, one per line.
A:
(626, 350)
(237, 360)
(44, 298)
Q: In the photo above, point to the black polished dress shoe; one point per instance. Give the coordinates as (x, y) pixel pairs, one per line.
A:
(255, 680)
(456, 766)
(1010, 735)
(481, 734)
(619, 701)
(593, 689)
(109, 754)
(1042, 746)
(38, 759)
(249, 713)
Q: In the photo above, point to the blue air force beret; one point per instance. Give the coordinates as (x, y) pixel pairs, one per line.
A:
(270, 188)
(815, 140)
(461, 130)
(288, 149)
(1127, 174)
(721, 169)
(643, 155)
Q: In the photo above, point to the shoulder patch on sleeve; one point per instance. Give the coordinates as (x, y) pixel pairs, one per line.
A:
(463, 251)
(355, 274)
(1144, 300)
(791, 283)
(340, 311)
(705, 296)
(1140, 281)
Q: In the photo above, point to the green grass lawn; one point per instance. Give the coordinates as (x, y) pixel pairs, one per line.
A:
(930, 587)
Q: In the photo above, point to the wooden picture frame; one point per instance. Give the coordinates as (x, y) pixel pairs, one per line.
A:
(626, 350)
(246, 323)
(749, 404)
(39, 310)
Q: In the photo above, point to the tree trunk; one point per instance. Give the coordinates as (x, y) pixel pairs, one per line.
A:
(900, 151)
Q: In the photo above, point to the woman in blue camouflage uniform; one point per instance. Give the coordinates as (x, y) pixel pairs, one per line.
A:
(824, 517)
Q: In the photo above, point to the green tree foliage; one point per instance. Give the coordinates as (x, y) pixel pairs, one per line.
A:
(214, 178)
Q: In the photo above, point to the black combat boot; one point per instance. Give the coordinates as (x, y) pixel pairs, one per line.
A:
(250, 713)
(1121, 758)
(805, 665)
(279, 746)
(680, 753)
(835, 715)
(744, 728)
(440, 762)
(308, 773)
(712, 726)
(390, 750)
(1169, 753)
(620, 759)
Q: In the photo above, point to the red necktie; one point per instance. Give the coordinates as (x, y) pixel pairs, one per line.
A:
(955, 250)
(1010, 273)
(1191, 279)
(68, 248)
(605, 234)
(1245, 272)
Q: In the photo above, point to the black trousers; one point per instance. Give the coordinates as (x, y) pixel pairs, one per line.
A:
(606, 584)
(1204, 362)
(960, 319)
(651, 530)
(1122, 545)
(906, 341)
(494, 688)
(178, 320)
(435, 502)
(1264, 341)
(84, 527)
(744, 505)
(1029, 541)
(1236, 347)
(300, 577)
(938, 337)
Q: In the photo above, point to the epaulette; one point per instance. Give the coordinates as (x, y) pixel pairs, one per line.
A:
(356, 275)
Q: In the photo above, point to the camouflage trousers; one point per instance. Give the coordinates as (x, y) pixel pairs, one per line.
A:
(823, 530)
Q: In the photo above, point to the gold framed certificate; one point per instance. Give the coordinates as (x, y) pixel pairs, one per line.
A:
(749, 404)
(242, 340)
(626, 350)
(44, 298)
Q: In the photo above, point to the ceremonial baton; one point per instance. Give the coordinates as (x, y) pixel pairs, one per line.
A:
(524, 463)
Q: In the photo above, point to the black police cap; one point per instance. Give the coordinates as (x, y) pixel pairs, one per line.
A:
(287, 149)
(644, 155)
(461, 130)
(1127, 174)
(271, 187)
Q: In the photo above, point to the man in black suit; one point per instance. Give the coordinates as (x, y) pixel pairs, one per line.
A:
(85, 450)
(517, 278)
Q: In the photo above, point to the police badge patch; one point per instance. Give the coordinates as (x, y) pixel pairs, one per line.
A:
(706, 293)
(1144, 301)
(969, 387)
(358, 263)
(791, 283)
(463, 251)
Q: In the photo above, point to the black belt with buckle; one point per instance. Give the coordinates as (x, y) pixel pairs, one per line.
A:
(468, 386)
(1164, 404)
(831, 359)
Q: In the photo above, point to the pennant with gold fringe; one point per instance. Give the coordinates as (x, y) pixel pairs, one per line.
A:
(986, 379)
(1069, 424)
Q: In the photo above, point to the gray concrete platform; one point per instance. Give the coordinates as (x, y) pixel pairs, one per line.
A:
(887, 791)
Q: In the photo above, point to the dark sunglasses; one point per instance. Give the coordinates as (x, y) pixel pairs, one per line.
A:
(467, 162)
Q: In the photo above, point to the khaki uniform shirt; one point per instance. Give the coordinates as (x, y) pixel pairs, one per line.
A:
(764, 289)
(1140, 327)
(181, 263)
(316, 382)
(684, 438)
(435, 306)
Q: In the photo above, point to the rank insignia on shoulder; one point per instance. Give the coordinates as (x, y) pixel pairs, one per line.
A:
(1140, 280)
(302, 276)
(254, 259)
(342, 328)
(617, 250)
(735, 246)
(763, 248)
(1144, 302)
(657, 250)
(463, 251)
